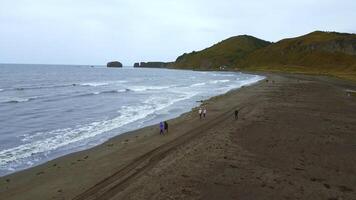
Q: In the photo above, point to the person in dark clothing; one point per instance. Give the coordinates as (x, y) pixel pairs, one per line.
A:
(161, 128)
(236, 114)
(165, 126)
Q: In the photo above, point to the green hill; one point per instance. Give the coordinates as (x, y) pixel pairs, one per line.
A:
(329, 53)
(318, 52)
(225, 53)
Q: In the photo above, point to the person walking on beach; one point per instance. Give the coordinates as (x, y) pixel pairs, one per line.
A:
(166, 126)
(236, 114)
(204, 112)
(200, 112)
(161, 128)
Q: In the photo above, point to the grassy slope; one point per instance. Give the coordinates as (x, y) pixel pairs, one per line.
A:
(314, 53)
(226, 53)
(327, 53)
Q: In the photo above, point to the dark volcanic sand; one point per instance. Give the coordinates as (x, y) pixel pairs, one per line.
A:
(295, 139)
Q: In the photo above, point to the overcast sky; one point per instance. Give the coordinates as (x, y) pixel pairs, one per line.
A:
(97, 31)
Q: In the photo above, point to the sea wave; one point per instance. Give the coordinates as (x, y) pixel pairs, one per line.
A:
(219, 81)
(41, 143)
(17, 99)
(104, 92)
(56, 98)
(97, 84)
(147, 88)
(88, 84)
(229, 75)
(241, 83)
(42, 87)
(94, 84)
(115, 91)
(198, 84)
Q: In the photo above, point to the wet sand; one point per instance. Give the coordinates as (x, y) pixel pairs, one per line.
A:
(295, 139)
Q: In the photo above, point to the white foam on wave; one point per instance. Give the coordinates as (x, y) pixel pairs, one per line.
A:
(1, 90)
(104, 92)
(229, 75)
(240, 83)
(98, 84)
(146, 88)
(17, 99)
(219, 81)
(198, 84)
(94, 84)
(252, 80)
(42, 143)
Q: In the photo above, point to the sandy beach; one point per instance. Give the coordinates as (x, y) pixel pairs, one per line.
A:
(295, 139)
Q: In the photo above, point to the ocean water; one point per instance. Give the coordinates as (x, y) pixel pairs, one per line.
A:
(47, 111)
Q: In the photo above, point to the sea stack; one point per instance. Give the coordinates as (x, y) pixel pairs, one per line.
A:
(137, 65)
(114, 64)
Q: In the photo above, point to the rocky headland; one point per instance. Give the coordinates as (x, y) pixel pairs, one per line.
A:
(152, 64)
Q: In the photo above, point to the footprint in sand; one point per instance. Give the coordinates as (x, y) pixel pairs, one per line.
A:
(233, 166)
(39, 173)
(317, 179)
(343, 188)
(326, 185)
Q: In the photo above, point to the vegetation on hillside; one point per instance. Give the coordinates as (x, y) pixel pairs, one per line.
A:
(317, 53)
(224, 53)
(329, 53)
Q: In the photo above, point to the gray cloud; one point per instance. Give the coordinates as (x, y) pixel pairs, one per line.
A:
(93, 31)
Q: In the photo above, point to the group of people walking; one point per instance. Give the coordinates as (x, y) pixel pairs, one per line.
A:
(163, 128)
(202, 112)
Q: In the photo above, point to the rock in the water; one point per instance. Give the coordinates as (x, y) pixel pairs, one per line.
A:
(137, 65)
(154, 64)
(114, 64)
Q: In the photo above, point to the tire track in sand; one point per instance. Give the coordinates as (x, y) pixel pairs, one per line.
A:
(112, 185)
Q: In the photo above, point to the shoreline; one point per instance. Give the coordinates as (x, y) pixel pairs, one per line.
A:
(200, 101)
(24, 155)
(130, 155)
